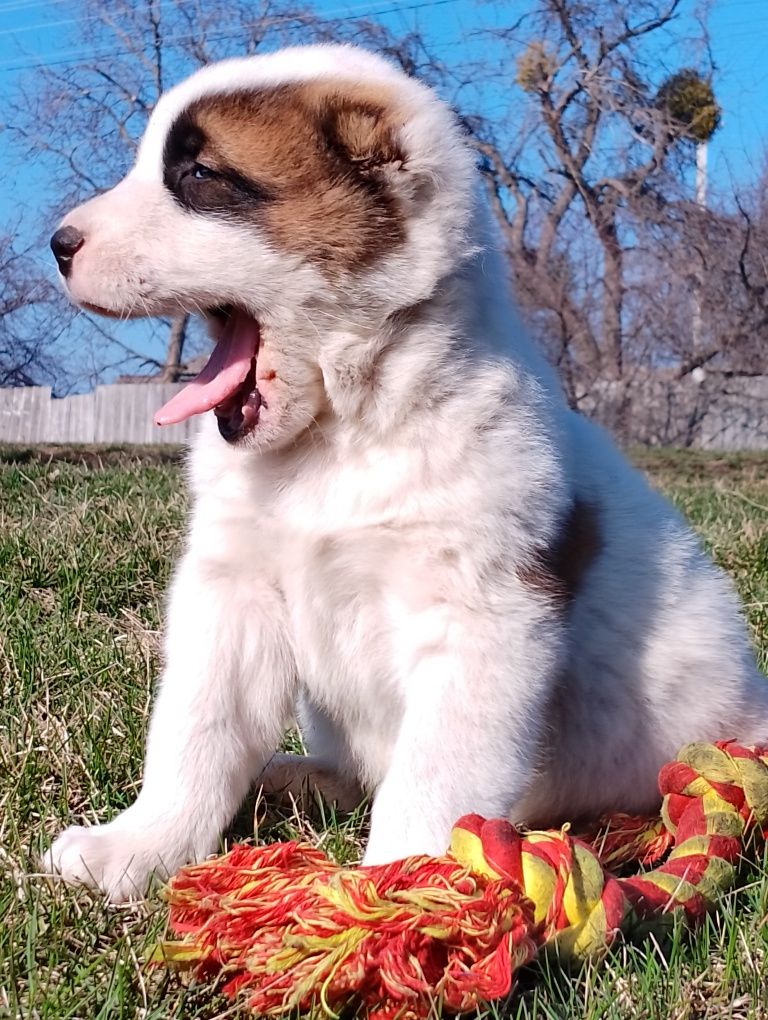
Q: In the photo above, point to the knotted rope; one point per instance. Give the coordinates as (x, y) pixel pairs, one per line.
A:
(297, 932)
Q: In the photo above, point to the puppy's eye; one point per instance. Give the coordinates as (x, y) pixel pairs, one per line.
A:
(202, 173)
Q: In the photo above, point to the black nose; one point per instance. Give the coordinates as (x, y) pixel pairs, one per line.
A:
(64, 243)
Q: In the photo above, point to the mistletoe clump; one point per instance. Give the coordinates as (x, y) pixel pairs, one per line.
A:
(690, 103)
(535, 66)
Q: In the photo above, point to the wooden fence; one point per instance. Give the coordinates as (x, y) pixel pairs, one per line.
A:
(710, 414)
(121, 413)
(655, 411)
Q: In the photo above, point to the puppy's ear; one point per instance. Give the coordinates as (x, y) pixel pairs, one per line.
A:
(363, 133)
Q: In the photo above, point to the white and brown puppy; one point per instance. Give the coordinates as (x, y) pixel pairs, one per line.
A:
(400, 533)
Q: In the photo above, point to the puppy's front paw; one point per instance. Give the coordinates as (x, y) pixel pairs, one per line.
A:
(107, 857)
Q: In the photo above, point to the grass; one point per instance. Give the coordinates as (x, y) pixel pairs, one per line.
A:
(87, 538)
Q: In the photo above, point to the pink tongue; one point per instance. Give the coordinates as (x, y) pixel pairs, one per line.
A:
(226, 370)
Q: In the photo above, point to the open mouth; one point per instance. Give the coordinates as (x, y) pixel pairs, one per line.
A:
(227, 383)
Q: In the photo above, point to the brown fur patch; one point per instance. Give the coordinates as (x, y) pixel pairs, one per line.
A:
(557, 572)
(319, 153)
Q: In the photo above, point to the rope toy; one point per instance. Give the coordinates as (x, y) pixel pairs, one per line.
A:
(298, 933)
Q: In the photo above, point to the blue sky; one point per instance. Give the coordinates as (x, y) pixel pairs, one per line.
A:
(40, 31)
(43, 30)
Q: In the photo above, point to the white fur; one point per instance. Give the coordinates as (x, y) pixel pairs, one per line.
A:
(357, 562)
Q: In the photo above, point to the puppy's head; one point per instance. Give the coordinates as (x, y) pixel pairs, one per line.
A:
(282, 197)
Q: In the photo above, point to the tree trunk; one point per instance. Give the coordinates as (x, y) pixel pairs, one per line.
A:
(173, 364)
(613, 301)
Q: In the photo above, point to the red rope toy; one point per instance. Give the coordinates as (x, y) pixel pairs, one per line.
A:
(294, 931)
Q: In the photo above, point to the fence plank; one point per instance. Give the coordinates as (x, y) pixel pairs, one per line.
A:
(120, 413)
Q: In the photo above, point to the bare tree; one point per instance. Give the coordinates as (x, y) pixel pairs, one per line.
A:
(82, 120)
(593, 139)
(32, 318)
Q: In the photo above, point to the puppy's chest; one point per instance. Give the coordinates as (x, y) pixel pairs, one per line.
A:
(362, 609)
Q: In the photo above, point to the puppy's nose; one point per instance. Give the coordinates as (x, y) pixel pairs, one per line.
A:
(64, 243)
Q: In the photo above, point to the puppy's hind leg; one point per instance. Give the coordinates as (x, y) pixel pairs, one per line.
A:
(302, 778)
(327, 768)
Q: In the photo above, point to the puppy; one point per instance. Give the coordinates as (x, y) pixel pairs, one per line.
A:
(400, 533)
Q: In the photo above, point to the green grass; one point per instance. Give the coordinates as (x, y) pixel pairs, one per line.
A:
(87, 539)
